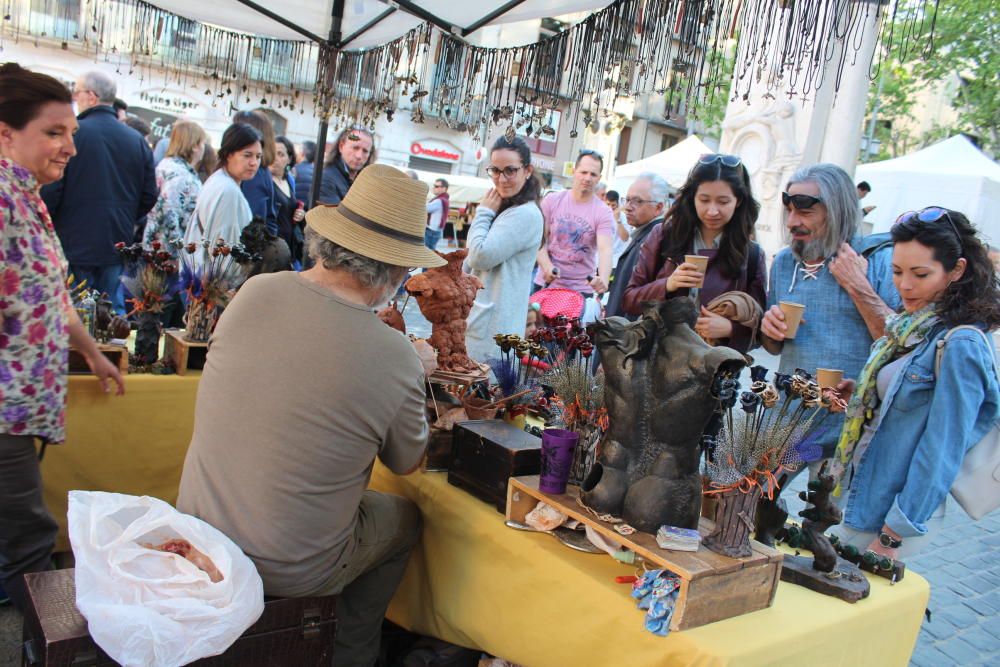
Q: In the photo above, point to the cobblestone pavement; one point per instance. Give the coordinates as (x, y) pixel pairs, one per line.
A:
(962, 565)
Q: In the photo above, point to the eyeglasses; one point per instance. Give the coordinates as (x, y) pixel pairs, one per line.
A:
(440, 185)
(800, 202)
(589, 152)
(726, 160)
(931, 214)
(635, 201)
(508, 172)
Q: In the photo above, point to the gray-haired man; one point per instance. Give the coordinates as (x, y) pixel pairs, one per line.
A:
(106, 188)
(846, 289)
(644, 207)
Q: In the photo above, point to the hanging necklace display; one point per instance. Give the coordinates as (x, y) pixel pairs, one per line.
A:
(630, 47)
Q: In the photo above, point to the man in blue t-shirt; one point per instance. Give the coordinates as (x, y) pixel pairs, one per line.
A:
(844, 282)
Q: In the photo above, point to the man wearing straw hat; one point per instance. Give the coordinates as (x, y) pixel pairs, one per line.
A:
(303, 387)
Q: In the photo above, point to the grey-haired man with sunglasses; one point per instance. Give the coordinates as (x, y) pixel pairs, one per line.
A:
(843, 280)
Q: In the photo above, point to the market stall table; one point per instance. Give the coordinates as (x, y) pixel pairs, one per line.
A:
(475, 582)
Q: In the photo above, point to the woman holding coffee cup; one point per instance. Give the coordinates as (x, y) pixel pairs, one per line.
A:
(929, 390)
(704, 250)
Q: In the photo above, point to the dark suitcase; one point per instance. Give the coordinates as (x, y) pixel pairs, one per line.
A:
(485, 454)
(291, 631)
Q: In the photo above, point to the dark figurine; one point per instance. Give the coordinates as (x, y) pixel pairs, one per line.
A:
(771, 515)
(658, 379)
(105, 312)
(271, 253)
(818, 518)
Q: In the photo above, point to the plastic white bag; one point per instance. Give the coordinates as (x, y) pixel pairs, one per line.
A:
(152, 608)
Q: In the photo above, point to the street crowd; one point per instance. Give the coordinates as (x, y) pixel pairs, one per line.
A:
(906, 316)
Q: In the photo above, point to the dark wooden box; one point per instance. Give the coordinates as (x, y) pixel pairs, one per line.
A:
(291, 631)
(486, 453)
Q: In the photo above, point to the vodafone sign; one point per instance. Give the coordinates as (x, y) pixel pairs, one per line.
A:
(434, 151)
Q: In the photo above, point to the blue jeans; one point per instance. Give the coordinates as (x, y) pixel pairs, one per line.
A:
(432, 237)
(104, 279)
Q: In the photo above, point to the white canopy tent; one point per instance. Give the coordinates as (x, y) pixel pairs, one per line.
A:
(952, 173)
(672, 164)
(366, 22)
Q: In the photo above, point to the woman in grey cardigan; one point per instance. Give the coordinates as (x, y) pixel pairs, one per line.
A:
(502, 242)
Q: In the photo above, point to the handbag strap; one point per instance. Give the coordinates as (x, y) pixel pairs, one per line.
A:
(941, 343)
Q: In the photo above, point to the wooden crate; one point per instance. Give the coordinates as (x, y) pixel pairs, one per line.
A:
(118, 354)
(185, 354)
(713, 587)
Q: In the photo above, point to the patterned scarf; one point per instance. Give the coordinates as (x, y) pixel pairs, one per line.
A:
(903, 332)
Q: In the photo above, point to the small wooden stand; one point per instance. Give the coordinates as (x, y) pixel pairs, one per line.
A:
(713, 587)
(847, 582)
(185, 354)
(117, 354)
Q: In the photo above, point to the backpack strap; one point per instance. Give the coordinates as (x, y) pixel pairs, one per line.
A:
(939, 354)
(752, 260)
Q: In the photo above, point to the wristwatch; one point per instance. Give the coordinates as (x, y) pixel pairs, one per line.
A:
(888, 541)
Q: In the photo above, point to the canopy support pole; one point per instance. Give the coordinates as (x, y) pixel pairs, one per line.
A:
(422, 13)
(366, 27)
(336, 34)
(277, 18)
(495, 14)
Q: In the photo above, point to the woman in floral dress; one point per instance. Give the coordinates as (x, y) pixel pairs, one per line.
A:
(37, 319)
(178, 183)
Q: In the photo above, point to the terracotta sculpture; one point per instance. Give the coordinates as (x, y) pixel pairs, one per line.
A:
(445, 297)
(392, 317)
(658, 379)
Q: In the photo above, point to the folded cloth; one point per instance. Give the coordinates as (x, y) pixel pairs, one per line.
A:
(739, 307)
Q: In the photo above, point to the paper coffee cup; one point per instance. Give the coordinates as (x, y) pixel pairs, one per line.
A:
(701, 261)
(793, 315)
(828, 377)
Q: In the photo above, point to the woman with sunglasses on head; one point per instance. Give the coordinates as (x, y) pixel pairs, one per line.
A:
(929, 390)
(713, 216)
(502, 243)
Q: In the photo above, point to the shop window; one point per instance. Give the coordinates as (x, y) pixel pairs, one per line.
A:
(425, 164)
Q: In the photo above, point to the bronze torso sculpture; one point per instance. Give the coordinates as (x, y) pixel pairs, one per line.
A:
(658, 379)
(445, 295)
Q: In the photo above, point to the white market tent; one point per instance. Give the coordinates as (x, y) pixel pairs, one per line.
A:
(366, 23)
(462, 189)
(952, 173)
(672, 164)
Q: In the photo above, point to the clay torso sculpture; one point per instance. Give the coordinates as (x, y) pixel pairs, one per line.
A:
(445, 297)
(658, 378)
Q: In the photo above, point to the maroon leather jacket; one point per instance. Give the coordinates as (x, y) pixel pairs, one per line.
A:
(649, 283)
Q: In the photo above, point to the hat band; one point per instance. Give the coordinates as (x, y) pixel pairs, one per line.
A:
(379, 228)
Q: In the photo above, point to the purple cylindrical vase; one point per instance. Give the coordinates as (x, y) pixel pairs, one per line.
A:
(558, 446)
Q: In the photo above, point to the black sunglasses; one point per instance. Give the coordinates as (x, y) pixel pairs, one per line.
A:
(800, 202)
(930, 214)
(726, 160)
(590, 152)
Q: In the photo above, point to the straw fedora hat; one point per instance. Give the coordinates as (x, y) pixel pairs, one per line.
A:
(382, 217)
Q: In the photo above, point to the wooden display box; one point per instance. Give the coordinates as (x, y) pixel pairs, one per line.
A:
(486, 453)
(291, 631)
(713, 587)
(117, 354)
(185, 355)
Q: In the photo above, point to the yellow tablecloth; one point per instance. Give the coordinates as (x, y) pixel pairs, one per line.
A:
(131, 444)
(529, 599)
(475, 582)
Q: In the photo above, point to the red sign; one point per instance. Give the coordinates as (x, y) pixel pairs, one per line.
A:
(436, 153)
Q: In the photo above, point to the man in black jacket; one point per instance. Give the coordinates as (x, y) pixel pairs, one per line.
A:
(106, 188)
(644, 209)
(353, 151)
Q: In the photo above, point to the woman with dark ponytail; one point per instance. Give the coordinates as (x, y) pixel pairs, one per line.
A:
(502, 242)
(929, 390)
(37, 319)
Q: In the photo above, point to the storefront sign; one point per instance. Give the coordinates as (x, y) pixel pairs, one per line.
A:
(161, 123)
(435, 150)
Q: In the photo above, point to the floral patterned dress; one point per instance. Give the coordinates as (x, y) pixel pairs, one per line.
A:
(34, 308)
(179, 189)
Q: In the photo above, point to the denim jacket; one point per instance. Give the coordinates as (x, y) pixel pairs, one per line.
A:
(926, 424)
(833, 335)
